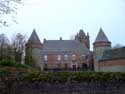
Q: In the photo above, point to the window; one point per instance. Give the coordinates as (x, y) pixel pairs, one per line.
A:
(58, 57)
(83, 57)
(45, 58)
(65, 57)
(73, 57)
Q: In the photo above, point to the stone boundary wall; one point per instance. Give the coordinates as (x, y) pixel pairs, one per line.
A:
(40, 87)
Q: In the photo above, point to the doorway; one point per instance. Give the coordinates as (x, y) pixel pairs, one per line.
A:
(84, 66)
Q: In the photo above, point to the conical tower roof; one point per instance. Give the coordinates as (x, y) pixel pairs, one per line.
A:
(101, 37)
(34, 39)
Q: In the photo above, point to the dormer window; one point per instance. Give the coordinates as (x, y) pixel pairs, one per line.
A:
(45, 58)
(58, 57)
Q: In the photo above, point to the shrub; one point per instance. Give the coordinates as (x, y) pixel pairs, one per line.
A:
(74, 76)
(4, 73)
(12, 63)
(32, 74)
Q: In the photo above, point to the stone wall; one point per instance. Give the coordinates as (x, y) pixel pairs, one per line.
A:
(40, 87)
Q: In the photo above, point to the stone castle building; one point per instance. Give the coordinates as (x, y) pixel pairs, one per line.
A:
(72, 54)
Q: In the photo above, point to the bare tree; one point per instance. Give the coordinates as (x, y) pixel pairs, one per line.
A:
(4, 47)
(18, 45)
(8, 7)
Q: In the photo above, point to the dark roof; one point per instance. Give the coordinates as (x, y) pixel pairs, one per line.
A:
(64, 46)
(82, 33)
(77, 36)
(34, 38)
(114, 54)
(101, 37)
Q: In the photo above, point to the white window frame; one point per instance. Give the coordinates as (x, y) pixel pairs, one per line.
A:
(58, 57)
(73, 57)
(83, 56)
(45, 57)
(65, 57)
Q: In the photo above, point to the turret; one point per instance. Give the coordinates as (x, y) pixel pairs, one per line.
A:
(100, 45)
(33, 51)
(83, 38)
(87, 40)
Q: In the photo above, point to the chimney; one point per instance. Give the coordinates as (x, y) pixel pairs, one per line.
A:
(44, 40)
(60, 38)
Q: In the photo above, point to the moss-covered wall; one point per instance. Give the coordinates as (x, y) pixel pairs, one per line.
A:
(35, 82)
(40, 87)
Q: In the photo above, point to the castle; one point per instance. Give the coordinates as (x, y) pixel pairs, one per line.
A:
(75, 54)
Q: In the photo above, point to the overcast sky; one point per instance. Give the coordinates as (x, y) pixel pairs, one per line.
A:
(63, 18)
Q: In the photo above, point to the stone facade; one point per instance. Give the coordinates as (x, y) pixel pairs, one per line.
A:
(39, 87)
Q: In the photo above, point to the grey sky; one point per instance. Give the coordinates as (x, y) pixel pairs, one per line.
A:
(63, 18)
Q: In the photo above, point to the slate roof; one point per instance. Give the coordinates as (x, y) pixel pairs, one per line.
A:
(113, 54)
(64, 46)
(34, 39)
(101, 37)
(82, 33)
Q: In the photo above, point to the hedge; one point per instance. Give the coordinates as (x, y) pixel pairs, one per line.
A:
(74, 76)
(12, 63)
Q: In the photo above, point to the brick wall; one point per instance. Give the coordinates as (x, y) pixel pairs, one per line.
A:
(54, 63)
(113, 65)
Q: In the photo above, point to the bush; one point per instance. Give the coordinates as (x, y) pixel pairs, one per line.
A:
(74, 76)
(12, 63)
(32, 74)
(4, 73)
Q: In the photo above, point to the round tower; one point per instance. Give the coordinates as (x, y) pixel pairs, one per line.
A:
(33, 51)
(100, 45)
